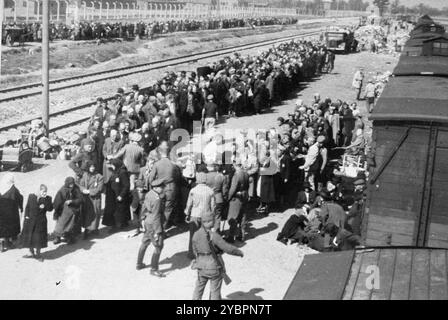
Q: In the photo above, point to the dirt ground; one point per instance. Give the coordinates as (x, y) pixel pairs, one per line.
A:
(104, 267)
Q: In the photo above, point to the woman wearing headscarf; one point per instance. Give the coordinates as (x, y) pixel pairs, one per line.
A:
(117, 211)
(91, 185)
(34, 234)
(11, 201)
(67, 210)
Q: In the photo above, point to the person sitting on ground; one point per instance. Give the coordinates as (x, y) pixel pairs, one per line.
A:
(293, 230)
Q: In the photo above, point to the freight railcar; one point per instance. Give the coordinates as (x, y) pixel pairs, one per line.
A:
(405, 219)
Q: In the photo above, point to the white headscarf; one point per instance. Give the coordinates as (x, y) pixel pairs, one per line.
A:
(6, 182)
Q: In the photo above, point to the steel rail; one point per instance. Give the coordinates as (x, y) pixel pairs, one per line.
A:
(130, 70)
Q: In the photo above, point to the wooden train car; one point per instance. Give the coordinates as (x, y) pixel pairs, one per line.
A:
(405, 219)
(372, 274)
(407, 196)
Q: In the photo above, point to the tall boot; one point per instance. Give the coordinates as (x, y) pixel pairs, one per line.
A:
(140, 257)
(155, 265)
(2, 245)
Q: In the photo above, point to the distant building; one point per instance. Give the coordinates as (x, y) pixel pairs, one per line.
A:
(373, 10)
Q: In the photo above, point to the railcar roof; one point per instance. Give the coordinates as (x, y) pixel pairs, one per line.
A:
(413, 98)
(412, 65)
(384, 273)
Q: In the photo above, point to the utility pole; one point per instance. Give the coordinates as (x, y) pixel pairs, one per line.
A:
(45, 63)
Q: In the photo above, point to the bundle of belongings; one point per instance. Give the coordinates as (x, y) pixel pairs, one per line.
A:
(378, 39)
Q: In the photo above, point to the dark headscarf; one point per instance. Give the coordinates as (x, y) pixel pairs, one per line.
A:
(117, 163)
(69, 181)
(88, 164)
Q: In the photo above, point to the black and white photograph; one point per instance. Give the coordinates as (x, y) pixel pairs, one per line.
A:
(232, 150)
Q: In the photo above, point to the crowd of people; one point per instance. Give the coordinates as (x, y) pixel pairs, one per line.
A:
(32, 32)
(126, 158)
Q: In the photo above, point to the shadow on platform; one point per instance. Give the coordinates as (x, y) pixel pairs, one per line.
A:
(250, 295)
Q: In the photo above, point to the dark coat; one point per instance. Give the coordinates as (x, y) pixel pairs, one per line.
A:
(292, 226)
(10, 204)
(261, 98)
(91, 206)
(238, 193)
(78, 162)
(67, 215)
(35, 233)
(117, 213)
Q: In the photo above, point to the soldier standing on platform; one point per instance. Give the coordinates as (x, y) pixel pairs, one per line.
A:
(208, 247)
(152, 215)
(238, 195)
(166, 171)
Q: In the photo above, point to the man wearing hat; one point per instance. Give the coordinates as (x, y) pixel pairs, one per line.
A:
(132, 155)
(152, 217)
(208, 247)
(209, 113)
(238, 196)
(201, 201)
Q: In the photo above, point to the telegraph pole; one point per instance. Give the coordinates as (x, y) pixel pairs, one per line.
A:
(45, 63)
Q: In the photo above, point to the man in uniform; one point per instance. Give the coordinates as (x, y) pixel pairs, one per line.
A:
(216, 180)
(207, 248)
(166, 171)
(152, 215)
(238, 194)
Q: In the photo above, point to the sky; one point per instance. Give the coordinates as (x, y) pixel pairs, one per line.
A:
(432, 3)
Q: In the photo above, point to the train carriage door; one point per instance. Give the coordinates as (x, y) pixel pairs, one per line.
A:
(436, 226)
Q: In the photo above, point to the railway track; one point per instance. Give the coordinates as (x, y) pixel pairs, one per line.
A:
(79, 114)
(33, 89)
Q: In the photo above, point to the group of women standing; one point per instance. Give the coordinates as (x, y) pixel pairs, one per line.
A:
(76, 206)
(34, 233)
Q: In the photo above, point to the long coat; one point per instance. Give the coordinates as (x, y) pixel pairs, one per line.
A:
(239, 184)
(35, 234)
(10, 203)
(92, 202)
(110, 148)
(261, 98)
(67, 215)
(117, 213)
